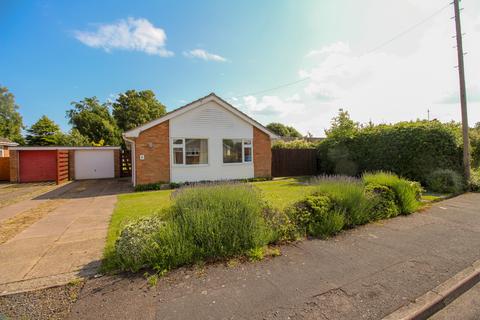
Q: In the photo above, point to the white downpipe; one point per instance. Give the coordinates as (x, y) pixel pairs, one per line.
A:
(134, 171)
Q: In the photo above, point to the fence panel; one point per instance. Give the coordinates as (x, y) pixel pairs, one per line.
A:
(5, 169)
(294, 162)
(62, 166)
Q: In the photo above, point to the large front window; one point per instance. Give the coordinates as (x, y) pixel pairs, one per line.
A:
(237, 150)
(190, 151)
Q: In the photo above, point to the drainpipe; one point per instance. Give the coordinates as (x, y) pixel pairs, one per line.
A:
(132, 143)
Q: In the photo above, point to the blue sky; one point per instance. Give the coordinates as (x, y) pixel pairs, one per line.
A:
(55, 52)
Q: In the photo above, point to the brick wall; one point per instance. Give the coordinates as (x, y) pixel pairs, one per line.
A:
(154, 145)
(262, 154)
(117, 161)
(71, 164)
(6, 152)
(14, 166)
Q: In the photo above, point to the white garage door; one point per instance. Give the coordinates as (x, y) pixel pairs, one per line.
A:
(94, 164)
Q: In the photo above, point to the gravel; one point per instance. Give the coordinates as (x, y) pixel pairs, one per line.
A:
(51, 303)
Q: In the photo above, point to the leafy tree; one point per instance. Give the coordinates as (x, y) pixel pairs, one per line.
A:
(342, 126)
(44, 132)
(283, 130)
(93, 120)
(11, 123)
(132, 109)
(73, 139)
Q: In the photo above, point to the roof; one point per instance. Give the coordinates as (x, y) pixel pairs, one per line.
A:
(62, 148)
(133, 133)
(7, 142)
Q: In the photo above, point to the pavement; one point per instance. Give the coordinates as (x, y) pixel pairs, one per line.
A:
(465, 307)
(15, 198)
(66, 243)
(363, 273)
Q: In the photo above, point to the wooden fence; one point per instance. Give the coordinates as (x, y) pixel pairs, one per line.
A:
(5, 169)
(62, 166)
(294, 162)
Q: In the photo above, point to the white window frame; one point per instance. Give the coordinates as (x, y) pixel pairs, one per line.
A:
(243, 152)
(172, 157)
(2, 152)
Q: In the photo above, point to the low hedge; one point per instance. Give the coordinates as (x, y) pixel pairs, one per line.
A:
(410, 149)
(212, 221)
(340, 202)
(209, 221)
(445, 181)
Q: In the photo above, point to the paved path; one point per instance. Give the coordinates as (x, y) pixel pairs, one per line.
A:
(68, 242)
(365, 273)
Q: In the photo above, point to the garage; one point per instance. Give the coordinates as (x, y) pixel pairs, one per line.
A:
(60, 164)
(38, 165)
(94, 164)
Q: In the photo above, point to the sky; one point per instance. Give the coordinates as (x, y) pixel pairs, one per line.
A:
(333, 53)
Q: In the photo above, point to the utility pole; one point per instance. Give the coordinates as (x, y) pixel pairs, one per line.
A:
(463, 94)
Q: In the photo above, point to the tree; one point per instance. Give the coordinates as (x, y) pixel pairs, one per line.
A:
(94, 121)
(342, 126)
(283, 130)
(73, 139)
(132, 109)
(11, 123)
(44, 132)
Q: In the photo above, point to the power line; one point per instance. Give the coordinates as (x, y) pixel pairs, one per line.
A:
(383, 44)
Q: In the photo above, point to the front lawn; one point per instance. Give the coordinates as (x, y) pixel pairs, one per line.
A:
(279, 193)
(133, 206)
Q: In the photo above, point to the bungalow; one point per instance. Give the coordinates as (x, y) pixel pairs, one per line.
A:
(5, 144)
(205, 140)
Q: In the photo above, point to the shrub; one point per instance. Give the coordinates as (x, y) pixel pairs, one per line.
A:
(474, 184)
(445, 181)
(349, 197)
(407, 193)
(294, 144)
(282, 227)
(384, 201)
(208, 221)
(410, 149)
(221, 219)
(150, 241)
(316, 216)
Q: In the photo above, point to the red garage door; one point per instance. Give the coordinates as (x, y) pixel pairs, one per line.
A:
(38, 165)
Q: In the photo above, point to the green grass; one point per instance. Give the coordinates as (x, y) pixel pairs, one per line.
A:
(283, 192)
(279, 193)
(132, 206)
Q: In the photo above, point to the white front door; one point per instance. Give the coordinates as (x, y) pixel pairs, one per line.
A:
(94, 164)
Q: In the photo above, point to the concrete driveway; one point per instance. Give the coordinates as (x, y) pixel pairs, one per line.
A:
(65, 239)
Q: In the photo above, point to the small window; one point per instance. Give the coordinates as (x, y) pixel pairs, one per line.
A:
(232, 151)
(196, 151)
(247, 150)
(190, 151)
(237, 150)
(1, 152)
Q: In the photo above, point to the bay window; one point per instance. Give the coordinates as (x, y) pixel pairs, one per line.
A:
(190, 151)
(237, 150)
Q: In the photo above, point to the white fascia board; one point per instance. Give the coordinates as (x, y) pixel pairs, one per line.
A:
(134, 133)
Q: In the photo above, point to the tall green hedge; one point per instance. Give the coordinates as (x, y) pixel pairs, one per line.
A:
(410, 149)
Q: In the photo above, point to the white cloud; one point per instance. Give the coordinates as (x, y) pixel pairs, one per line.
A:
(388, 85)
(337, 47)
(204, 55)
(127, 34)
